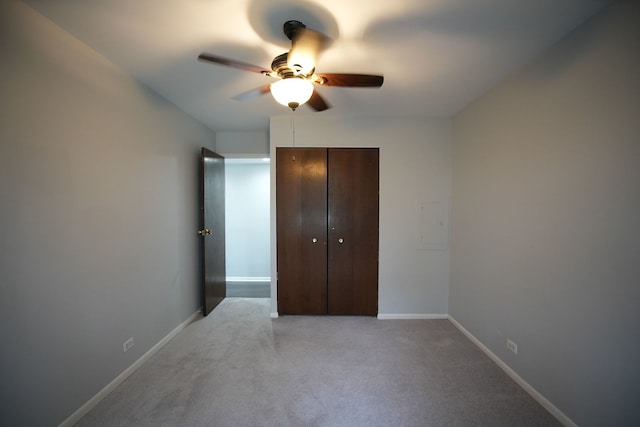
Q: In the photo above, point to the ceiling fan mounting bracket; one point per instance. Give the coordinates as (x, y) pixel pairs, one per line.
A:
(291, 28)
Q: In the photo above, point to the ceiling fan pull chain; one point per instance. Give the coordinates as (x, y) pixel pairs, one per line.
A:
(293, 129)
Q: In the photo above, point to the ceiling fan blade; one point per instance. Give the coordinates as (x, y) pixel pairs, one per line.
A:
(305, 48)
(207, 57)
(317, 102)
(349, 80)
(253, 93)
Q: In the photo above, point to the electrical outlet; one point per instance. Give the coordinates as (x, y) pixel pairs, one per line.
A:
(127, 345)
(512, 346)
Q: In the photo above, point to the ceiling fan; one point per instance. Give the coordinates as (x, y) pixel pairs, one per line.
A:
(295, 71)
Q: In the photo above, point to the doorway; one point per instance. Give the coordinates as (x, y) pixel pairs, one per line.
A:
(247, 212)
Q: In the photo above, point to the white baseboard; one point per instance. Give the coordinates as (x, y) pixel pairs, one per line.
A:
(84, 409)
(274, 315)
(391, 316)
(560, 416)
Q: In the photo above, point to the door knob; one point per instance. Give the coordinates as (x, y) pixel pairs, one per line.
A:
(205, 232)
(314, 240)
(341, 240)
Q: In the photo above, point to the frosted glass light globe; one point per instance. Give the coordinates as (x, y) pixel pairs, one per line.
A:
(292, 92)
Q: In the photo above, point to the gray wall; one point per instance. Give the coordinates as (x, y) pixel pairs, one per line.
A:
(247, 219)
(242, 144)
(546, 221)
(98, 185)
(415, 170)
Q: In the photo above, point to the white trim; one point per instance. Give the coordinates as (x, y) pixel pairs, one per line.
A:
(274, 315)
(91, 403)
(248, 279)
(246, 158)
(560, 416)
(391, 316)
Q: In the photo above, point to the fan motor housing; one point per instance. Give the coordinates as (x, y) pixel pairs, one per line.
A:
(281, 67)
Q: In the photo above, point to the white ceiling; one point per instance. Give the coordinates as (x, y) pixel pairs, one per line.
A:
(436, 55)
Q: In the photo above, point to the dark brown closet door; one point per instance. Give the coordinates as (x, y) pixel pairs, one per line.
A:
(301, 203)
(353, 231)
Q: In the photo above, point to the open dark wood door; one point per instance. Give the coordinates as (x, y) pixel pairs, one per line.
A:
(353, 231)
(214, 277)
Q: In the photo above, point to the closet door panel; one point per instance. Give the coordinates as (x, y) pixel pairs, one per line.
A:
(301, 204)
(353, 183)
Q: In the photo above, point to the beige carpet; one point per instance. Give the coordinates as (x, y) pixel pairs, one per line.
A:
(238, 367)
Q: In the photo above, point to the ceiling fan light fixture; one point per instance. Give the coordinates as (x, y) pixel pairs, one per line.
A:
(292, 92)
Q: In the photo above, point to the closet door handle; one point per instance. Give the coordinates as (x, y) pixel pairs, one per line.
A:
(340, 240)
(314, 240)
